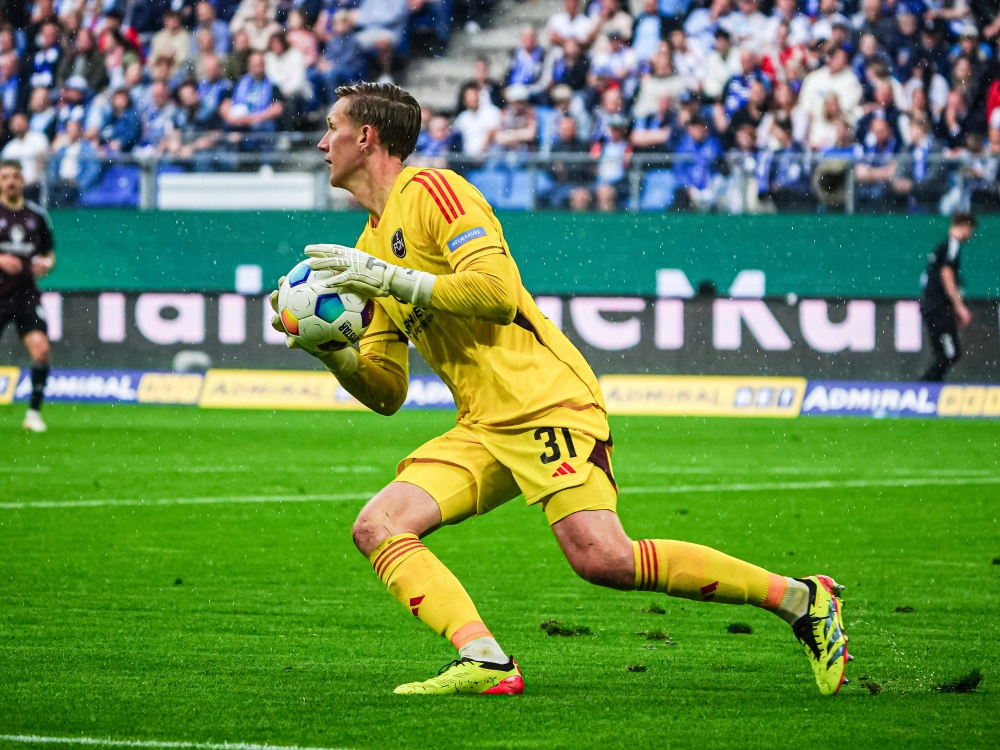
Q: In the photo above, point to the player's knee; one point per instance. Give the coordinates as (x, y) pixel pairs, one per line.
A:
(40, 353)
(366, 533)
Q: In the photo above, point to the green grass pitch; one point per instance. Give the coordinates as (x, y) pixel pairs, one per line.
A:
(221, 615)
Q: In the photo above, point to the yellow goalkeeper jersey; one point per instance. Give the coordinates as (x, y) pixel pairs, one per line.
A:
(435, 221)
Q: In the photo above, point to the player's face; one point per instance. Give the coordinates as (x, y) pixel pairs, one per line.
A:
(341, 145)
(11, 184)
(963, 232)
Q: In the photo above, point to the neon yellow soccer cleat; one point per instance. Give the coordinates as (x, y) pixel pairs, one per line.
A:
(468, 676)
(821, 633)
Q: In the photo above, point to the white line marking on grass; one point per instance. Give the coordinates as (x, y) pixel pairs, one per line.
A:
(221, 500)
(678, 489)
(797, 470)
(35, 740)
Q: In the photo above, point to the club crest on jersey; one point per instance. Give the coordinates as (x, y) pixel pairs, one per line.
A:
(398, 247)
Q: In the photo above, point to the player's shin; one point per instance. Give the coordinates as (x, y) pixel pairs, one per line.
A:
(422, 583)
(39, 376)
(692, 571)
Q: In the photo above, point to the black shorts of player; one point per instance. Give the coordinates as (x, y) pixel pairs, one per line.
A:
(25, 310)
(941, 322)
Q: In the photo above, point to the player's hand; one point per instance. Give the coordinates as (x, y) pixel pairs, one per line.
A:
(10, 264)
(290, 341)
(355, 270)
(340, 360)
(963, 316)
(358, 272)
(40, 266)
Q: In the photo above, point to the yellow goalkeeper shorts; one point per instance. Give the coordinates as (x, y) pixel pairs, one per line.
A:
(472, 469)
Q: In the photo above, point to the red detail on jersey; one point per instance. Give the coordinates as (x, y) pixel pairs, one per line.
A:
(415, 604)
(450, 191)
(564, 469)
(708, 592)
(440, 190)
(435, 197)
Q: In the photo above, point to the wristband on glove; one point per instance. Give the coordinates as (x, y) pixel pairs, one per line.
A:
(340, 362)
(409, 285)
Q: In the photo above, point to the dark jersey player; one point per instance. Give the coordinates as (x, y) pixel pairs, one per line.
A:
(26, 255)
(942, 306)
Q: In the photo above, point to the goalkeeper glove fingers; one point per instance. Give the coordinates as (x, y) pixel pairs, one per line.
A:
(358, 272)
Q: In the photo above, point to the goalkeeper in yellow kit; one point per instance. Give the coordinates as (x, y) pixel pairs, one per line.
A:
(531, 417)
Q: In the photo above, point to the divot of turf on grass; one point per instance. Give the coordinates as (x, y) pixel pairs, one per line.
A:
(654, 609)
(966, 684)
(996, 560)
(870, 685)
(554, 627)
(904, 610)
(739, 628)
(636, 667)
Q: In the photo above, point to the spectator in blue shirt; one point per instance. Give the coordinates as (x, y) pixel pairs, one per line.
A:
(158, 120)
(121, 131)
(256, 104)
(783, 174)
(436, 143)
(737, 91)
(526, 61)
(205, 18)
(47, 57)
(699, 156)
(74, 167)
(343, 60)
(213, 89)
(649, 30)
(875, 166)
(14, 92)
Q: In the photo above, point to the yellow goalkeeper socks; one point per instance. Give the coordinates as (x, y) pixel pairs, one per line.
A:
(692, 571)
(428, 589)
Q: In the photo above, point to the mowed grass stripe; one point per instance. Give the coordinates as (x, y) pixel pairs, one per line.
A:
(100, 742)
(633, 490)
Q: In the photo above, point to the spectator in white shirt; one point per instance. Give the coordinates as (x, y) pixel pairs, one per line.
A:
(702, 23)
(747, 26)
(571, 23)
(476, 124)
(689, 62)
(798, 23)
(722, 63)
(836, 77)
(28, 147)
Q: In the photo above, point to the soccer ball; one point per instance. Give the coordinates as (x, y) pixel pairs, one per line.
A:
(318, 317)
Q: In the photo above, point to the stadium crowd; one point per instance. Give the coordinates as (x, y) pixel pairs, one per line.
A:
(905, 94)
(86, 79)
(902, 94)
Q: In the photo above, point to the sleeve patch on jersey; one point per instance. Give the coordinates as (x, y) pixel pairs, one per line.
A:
(466, 236)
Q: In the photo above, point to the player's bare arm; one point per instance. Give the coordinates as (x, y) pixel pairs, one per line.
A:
(950, 284)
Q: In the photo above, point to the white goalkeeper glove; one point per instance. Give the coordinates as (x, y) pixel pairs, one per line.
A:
(364, 274)
(340, 361)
